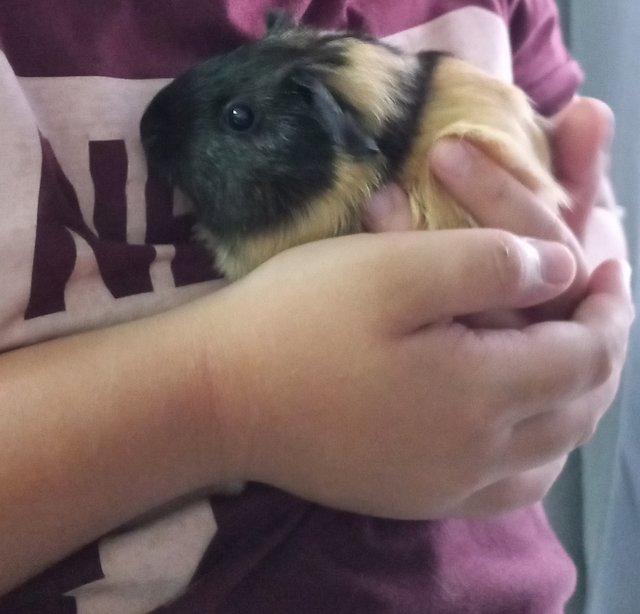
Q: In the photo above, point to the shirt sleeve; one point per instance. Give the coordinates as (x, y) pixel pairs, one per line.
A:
(542, 66)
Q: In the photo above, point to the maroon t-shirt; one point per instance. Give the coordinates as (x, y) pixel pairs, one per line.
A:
(88, 239)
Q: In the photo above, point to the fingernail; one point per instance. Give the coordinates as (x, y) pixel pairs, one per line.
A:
(388, 210)
(556, 265)
(450, 157)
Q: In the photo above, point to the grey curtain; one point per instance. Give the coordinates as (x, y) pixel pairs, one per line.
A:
(595, 506)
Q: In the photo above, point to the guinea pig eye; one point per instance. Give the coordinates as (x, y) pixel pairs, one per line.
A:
(240, 117)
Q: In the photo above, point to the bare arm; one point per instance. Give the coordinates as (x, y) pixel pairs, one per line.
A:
(96, 429)
(334, 371)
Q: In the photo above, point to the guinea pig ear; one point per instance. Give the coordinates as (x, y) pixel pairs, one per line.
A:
(339, 122)
(278, 21)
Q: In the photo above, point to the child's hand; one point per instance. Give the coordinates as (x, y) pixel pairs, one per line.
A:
(348, 383)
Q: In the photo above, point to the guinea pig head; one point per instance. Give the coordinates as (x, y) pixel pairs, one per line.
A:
(255, 136)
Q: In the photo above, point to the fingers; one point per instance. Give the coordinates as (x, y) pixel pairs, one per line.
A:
(611, 283)
(388, 210)
(497, 200)
(428, 276)
(549, 435)
(492, 195)
(581, 133)
(565, 398)
(520, 490)
(581, 139)
(561, 381)
(609, 311)
(560, 361)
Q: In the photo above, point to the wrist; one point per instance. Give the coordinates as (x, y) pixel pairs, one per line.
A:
(115, 422)
(221, 399)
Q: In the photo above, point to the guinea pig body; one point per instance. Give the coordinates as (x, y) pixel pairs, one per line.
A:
(284, 140)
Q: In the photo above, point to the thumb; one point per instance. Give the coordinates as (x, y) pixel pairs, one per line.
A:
(453, 273)
(388, 210)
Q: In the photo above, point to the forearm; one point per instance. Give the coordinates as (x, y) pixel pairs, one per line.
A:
(338, 391)
(96, 429)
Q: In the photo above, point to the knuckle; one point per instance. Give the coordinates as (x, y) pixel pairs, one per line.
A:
(534, 492)
(509, 494)
(605, 361)
(589, 426)
(508, 263)
(481, 450)
(583, 422)
(472, 477)
(531, 487)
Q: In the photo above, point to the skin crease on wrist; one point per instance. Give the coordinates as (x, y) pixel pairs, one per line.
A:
(125, 434)
(339, 391)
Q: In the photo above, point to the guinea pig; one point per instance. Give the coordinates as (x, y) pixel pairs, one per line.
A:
(283, 140)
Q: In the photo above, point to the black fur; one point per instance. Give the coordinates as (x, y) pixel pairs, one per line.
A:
(396, 139)
(278, 21)
(240, 182)
(248, 181)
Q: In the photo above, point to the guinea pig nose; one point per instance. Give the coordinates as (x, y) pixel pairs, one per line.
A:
(149, 129)
(154, 132)
(155, 137)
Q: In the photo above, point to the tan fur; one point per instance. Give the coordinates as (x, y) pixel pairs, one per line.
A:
(371, 82)
(493, 115)
(371, 79)
(335, 212)
(463, 103)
